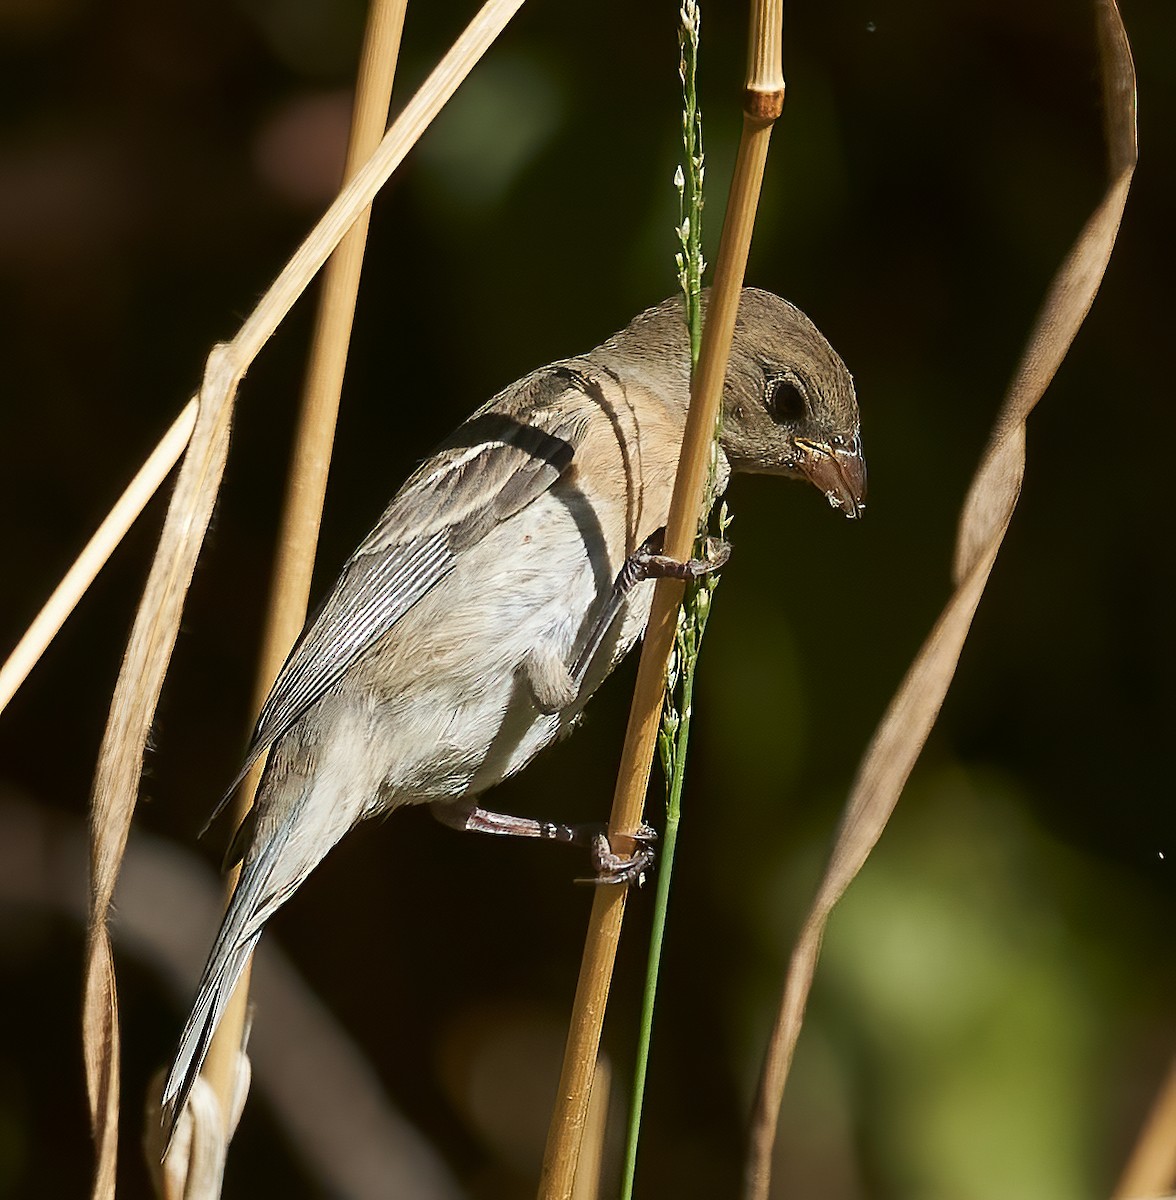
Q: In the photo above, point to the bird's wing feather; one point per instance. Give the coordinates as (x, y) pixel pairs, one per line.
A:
(504, 457)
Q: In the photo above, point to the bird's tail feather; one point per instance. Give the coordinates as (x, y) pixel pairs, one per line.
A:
(198, 1034)
(256, 898)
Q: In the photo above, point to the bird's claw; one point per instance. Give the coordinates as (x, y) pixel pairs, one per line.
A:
(650, 563)
(612, 868)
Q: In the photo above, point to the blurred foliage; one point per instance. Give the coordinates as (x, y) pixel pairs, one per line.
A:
(994, 1007)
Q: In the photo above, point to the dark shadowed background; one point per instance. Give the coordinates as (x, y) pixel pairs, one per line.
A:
(994, 1008)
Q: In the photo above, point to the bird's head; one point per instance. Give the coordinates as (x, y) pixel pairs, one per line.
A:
(788, 404)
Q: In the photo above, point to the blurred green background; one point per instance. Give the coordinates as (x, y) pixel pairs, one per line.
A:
(994, 1008)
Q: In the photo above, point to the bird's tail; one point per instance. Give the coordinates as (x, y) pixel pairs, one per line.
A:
(260, 892)
(214, 995)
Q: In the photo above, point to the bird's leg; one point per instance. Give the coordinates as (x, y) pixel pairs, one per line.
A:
(610, 867)
(551, 682)
(646, 562)
(555, 685)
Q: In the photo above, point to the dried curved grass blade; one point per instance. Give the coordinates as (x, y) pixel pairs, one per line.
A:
(156, 626)
(985, 517)
(120, 758)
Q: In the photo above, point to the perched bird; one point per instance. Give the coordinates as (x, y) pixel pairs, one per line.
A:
(503, 583)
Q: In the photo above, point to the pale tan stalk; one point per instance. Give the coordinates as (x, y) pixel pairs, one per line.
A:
(311, 457)
(763, 102)
(157, 621)
(986, 514)
(99, 548)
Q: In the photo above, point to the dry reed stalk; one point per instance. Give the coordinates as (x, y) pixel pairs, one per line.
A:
(156, 624)
(763, 102)
(985, 517)
(1151, 1169)
(73, 586)
(311, 456)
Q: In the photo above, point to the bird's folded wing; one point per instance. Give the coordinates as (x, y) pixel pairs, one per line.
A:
(505, 456)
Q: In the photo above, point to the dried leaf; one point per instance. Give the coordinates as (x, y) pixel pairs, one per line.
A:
(120, 758)
(985, 517)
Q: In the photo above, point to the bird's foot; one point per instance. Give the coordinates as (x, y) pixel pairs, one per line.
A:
(648, 562)
(630, 866)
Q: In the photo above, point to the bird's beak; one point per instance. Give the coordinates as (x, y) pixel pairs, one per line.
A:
(838, 471)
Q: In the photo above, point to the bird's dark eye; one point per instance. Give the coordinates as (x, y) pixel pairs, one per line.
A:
(784, 400)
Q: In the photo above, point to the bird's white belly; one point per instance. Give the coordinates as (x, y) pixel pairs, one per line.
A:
(452, 710)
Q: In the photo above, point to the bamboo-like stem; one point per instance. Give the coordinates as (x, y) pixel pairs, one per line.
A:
(311, 456)
(76, 581)
(763, 95)
(604, 925)
(1151, 1169)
